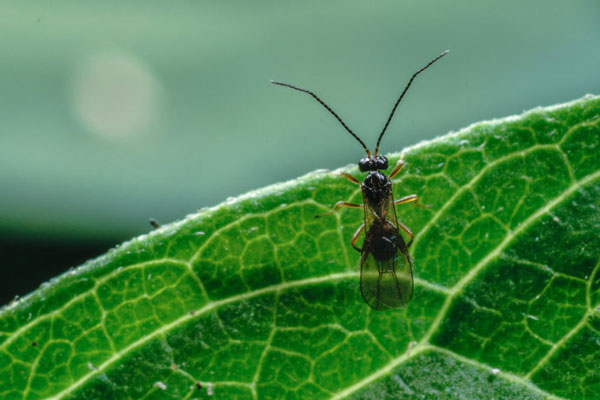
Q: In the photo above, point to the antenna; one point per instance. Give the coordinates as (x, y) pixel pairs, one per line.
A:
(402, 95)
(328, 109)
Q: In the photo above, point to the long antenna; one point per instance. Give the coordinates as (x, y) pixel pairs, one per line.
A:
(402, 95)
(328, 109)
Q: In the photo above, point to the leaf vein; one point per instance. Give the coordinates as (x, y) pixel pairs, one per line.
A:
(457, 289)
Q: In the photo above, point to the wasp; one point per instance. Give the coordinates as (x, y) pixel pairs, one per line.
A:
(386, 270)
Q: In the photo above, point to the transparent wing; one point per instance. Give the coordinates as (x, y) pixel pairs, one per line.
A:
(386, 276)
(386, 284)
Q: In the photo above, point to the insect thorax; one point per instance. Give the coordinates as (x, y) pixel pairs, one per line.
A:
(377, 189)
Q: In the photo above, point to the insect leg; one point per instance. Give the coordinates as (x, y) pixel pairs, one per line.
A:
(399, 165)
(349, 177)
(355, 237)
(410, 198)
(345, 175)
(338, 205)
(408, 232)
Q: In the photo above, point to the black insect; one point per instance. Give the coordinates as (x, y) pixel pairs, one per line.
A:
(386, 273)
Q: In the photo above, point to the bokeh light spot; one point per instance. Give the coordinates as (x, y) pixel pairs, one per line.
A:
(115, 95)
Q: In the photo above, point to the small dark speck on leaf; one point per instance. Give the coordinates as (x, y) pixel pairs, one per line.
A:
(34, 344)
(198, 385)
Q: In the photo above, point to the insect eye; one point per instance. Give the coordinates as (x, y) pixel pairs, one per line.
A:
(365, 164)
(381, 162)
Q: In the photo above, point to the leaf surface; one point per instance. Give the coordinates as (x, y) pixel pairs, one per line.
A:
(256, 298)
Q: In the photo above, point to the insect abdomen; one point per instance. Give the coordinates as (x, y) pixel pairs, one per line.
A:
(382, 240)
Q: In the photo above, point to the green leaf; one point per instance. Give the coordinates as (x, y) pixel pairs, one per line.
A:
(255, 298)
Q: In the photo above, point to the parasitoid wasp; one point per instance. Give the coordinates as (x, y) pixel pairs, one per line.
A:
(386, 271)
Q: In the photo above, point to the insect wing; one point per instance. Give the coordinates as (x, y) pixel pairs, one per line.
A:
(387, 284)
(386, 281)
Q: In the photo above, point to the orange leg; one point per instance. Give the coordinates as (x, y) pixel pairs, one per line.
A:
(408, 232)
(349, 177)
(355, 237)
(407, 199)
(399, 165)
(338, 205)
(411, 198)
(344, 175)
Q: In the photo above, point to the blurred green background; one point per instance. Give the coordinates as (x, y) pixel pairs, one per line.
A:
(113, 112)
